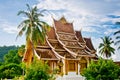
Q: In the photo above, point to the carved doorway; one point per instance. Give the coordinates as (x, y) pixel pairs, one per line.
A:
(71, 65)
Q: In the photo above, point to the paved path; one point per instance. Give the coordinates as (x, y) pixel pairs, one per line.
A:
(71, 76)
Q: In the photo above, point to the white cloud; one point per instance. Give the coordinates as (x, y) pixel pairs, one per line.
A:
(10, 30)
(83, 14)
(89, 29)
(8, 27)
(109, 31)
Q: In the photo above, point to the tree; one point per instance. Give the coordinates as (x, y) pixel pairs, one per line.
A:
(4, 50)
(102, 70)
(35, 31)
(105, 47)
(117, 36)
(12, 57)
(11, 67)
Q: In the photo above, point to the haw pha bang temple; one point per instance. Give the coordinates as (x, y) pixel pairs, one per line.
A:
(66, 49)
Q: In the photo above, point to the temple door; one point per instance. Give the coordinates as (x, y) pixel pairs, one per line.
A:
(71, 65)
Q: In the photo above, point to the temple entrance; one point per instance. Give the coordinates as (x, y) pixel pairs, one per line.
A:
(83, 64)
(71, 66)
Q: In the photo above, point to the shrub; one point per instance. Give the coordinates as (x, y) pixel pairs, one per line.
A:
(10, 71)
(37, 71)
(102, 70)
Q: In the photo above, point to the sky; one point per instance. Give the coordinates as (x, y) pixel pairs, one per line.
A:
(95, 18)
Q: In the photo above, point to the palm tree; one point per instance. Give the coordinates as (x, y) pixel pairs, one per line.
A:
(34, 29)
(105, 47)
(117, 36)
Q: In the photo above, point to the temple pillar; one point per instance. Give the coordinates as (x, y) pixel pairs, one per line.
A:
(61, 73)
(76, 67)
(87, 61)
(66, 67)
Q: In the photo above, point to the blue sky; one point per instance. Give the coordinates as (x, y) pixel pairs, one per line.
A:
(96, 18)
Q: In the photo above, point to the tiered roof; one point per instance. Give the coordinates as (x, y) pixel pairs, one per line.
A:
(63, 42)
(89, 45)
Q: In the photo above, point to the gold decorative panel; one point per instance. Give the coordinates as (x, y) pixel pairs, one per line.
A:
(71, 65)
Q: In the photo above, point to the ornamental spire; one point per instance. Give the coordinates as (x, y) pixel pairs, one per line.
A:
(63, 20)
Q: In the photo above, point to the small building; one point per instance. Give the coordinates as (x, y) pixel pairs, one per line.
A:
(65, 49)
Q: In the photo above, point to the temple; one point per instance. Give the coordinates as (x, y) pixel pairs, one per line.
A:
(65, 49)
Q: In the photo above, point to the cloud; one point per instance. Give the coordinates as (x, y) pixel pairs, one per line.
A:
(8, 27)
(110, 31)
(113, 16)
(83, 14)
(89, 29)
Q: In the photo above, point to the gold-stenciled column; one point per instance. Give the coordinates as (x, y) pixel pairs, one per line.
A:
(76, 67)
(66, 66)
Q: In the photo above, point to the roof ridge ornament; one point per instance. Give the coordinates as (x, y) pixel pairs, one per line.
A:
(63, 20)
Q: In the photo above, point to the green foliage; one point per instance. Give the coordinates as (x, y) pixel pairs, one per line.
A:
(12, 57)
(11, 67)
(105, 47)
(1, 63)
(18, 78)
(21, 50)
(102, 70)
(10, 71)
(4, 50)
(37, 71)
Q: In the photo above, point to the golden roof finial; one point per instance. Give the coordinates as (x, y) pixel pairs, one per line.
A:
(63, 20)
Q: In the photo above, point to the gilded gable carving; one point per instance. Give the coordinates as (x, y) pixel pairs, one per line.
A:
(67, 43)
(67, 37)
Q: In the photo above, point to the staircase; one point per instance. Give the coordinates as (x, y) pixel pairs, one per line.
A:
(70, 76)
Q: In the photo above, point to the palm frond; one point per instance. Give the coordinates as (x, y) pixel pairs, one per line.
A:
(46, 26)
(28, 7)
(40, 14)
(118, 37)
(117, 23)
(101, 45)
(42, 11)
(117, 42)
(21, 31)
(111, 42)
(42, 38)
(28, 32)
(119, 48)
(34, 37)
(24, 13)
(117, 32)
(23, 23)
